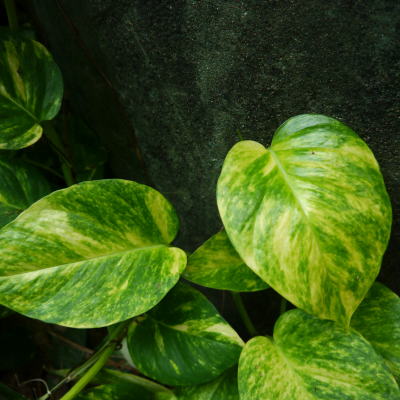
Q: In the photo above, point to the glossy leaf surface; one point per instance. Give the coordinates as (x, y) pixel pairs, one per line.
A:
(183, 340)
(90, 255)
(216, 264)
(225, 387)
(31, 89)
(123, 391)
(310, 214)
(311, 358)
(378, 320)
(21, 185)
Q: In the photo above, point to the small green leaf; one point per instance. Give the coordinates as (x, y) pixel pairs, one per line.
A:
(183, 340)
(310, 358)
(90, 255)
(21, 185)
(86, 149)
(31, 89)
(123, 391)
(216, 264)
(225, 387)
(378, 320)
(310, 215)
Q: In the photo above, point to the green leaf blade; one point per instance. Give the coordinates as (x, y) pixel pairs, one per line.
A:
(310, 358)
(224, 387)
(31, 89)
(216, 264)
(21, 185)
(378, 320)
(90, 255)
(310, 215)
(183, 340)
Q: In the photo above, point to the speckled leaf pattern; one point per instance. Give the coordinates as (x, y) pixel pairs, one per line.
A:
(123, 391)
(90, 255)
(312, 358)
(183, 340)
(216, 264)
(21, 185)
(31, 89)
(225, 387)
(310, 214)
(378, 320)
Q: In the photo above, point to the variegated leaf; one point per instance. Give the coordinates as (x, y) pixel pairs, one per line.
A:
(225, 387)
(378, 320)
(216, 264)
(21, 185)
(90, 255)
(123, 391)
(183, 340)
(31, 89)
(310, 214)
(311, 358)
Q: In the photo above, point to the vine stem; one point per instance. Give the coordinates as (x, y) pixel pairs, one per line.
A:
(52, 136)
(11, 14)
(243, 313)
(283, 306)
(76, 389)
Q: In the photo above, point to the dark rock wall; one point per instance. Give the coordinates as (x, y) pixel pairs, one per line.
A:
(188, 74)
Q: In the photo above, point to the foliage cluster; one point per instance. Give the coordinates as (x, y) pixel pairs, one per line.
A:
(308, 216)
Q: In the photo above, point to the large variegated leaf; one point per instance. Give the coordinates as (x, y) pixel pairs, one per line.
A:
(378, 320)
(31, 89)
(217, 265)
(123, 391)
(310, 214)
(183, 340)
(225, 387)
(90, 255)
(21, 185)
(311, 358)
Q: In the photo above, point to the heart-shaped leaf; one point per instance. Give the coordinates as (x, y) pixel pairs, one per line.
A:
(90, 255)
(31, 89)
(183, 340)
(310, 358)
(123, 391)
(21, 185)
(378, 320)
(217, 265)
(310, 214)
(225, 387)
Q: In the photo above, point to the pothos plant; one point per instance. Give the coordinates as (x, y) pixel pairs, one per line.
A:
(308, 216)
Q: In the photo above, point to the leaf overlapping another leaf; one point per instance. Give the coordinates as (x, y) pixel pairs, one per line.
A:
(183, 340)
(310, 214)
(31, 89)
(310, 358)
(216, 264)
(90, 255)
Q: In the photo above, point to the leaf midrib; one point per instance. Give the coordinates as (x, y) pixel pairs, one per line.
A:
(86, 259)
(21, 107)
(299, 202)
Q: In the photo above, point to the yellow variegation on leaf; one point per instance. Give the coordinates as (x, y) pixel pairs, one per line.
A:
(310, 358)
(310, 215)
(90, 255)
(31, 89)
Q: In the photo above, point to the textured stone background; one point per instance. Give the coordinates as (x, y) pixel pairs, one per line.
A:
(188, 74)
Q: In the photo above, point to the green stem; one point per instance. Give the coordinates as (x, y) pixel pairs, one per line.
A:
(283, 305)
(36, 164)
(52, 136)
(11, 14)
(105, 355)
(243, 313)
(92, 172)
(240, 136)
